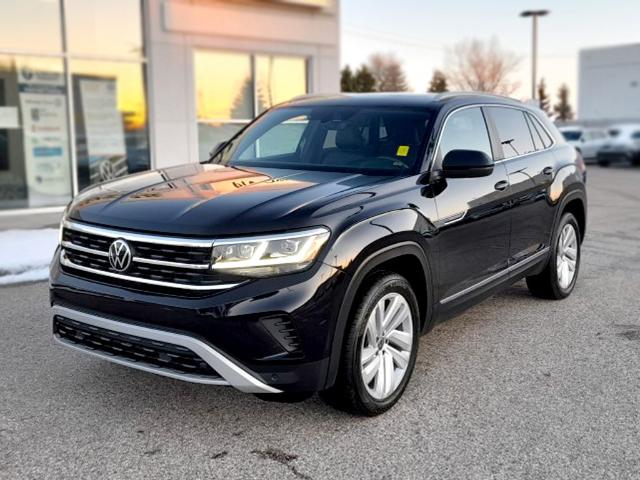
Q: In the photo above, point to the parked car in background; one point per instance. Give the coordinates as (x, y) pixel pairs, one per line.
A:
(623, 145)
(588, 141)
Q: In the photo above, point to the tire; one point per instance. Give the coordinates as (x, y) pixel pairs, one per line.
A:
(604, 163)
(385, 291)
(551, 283)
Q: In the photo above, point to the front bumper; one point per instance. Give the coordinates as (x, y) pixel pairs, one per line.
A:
(264, 336)
(224, 370)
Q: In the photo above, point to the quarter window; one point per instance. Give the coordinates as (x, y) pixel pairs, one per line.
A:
(546, 139)
(537, 140)
(513, 132)
(465, 130)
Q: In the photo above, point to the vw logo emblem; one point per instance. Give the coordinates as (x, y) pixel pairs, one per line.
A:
(120, 255)
(107, 170)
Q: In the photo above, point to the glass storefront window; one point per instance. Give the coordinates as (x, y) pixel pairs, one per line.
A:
(224, 86)
(109, 28)
(250, 85)
(224, 96)
(35, 164)
(30, 25)
(279, 79)
(110, 120)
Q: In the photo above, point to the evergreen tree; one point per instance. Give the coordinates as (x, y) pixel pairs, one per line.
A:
(562, 109)
(363, 80)
(543, 98)
(346, 79)
(438, 82)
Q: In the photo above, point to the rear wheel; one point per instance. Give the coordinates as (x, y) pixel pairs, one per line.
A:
(380, 348)
(559, 276)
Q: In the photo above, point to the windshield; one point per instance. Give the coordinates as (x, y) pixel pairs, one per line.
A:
(571, 135)
(370, 140)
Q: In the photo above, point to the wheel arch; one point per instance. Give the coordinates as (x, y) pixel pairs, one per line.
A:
(574, 203)
(407, 258)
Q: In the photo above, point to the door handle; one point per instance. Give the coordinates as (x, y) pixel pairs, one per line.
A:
(547, 170)
(501, 185)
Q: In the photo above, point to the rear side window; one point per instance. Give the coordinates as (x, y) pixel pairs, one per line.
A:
(465, 130)
(513, 131)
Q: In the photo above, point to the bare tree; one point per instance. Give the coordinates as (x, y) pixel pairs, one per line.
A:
(388, 73)
(482, 66)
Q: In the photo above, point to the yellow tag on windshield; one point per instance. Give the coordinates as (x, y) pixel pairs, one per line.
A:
(403, 151)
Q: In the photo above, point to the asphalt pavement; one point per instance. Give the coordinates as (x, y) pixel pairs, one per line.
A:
(516, 387)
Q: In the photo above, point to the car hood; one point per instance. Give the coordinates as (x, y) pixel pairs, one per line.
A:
(206, 200)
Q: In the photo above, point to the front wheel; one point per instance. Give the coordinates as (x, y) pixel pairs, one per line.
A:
(559, 276)
(380, 347)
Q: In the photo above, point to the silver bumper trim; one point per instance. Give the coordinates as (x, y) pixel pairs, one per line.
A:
(231, 373)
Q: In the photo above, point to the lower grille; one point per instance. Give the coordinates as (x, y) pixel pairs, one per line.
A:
(165, 356)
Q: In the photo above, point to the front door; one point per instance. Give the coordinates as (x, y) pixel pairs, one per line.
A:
(473, 216)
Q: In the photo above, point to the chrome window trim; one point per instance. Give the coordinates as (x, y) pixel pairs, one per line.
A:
(231, 373)
(67, 263)
(495, 276)
(485, 105)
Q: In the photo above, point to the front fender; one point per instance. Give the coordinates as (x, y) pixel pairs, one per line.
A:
(366, 245)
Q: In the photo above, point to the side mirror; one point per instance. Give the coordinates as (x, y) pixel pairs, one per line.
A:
(214, 151)
(466, 164)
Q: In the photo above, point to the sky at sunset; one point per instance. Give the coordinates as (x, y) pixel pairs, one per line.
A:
(420, 31)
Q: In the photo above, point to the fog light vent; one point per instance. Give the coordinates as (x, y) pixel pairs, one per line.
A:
(283, 331)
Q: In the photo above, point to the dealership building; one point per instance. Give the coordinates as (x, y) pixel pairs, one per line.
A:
(609, 84)
(91, 90)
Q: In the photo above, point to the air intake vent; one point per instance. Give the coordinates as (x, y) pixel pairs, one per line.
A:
(284, 332)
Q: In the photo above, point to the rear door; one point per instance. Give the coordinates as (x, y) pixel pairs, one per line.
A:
(473, 217)
(530, 166)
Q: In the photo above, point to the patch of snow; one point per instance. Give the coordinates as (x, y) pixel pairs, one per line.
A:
(25, 254)
(36, 275)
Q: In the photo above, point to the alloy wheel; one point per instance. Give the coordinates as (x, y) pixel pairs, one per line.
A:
(566, 256)
(386, 346)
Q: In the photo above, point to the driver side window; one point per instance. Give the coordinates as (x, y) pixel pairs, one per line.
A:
(465, 130)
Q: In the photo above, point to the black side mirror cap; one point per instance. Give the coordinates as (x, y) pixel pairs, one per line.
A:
(466, 164)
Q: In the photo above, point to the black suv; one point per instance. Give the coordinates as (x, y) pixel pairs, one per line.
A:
(314, 248)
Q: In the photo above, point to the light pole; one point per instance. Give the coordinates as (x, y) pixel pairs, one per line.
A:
(534, 14)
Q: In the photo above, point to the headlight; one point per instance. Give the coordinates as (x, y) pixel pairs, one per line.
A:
(269, 254)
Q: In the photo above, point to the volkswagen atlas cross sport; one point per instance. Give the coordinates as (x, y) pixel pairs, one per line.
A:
(313, 248)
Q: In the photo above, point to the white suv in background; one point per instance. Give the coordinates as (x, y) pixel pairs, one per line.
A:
(623, 145)
(588, 141)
